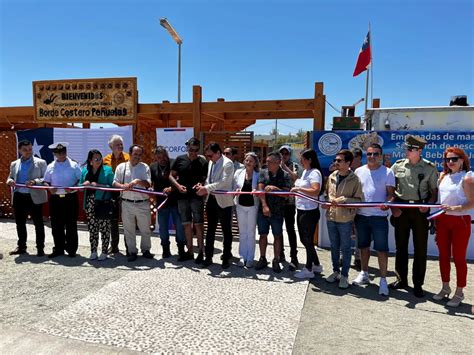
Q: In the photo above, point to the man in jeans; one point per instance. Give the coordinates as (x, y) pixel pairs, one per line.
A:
(271, 209)
(378, 184)
(343, 187)
(135, 205)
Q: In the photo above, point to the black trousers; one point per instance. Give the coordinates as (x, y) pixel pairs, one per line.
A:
(413, 220)
(217, 214)
(289, 214)
(64, 212)
(307, 221)
(23, 206)
(114, 227)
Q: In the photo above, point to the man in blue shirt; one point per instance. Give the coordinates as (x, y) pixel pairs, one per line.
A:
(63, 206)
(28, 170)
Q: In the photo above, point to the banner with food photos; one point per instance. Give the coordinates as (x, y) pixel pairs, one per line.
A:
(328, 143)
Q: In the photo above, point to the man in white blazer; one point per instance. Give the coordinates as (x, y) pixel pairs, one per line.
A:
(28, 170)
(219, 207)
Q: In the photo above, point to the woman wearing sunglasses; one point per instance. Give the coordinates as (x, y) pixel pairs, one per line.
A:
(95, 173)
(453, 229)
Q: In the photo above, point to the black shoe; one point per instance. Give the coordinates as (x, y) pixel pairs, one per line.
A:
(113, 250)
(230, 256)
(261, 263)
(357, 265)
(166, 251)
(199, 258)
(418, 291)
(225, 264)
(398, 285)
(207, 262)
(18, 251)
(132, 257)
(40, 252)
(71, 255)
(293, 264)
(148, 255)
(55, 253)
(276, 266)
(186, 257)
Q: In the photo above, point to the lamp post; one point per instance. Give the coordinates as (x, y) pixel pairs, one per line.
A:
(164, 22)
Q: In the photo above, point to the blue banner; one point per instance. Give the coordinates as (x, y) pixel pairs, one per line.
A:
(328, 143)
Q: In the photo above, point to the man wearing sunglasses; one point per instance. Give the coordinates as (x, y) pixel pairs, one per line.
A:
(187, 172)
(416, 182)
(233, 154)
(371, 223)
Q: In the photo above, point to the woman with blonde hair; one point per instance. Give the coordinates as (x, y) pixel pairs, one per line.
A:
(453, 229)
(246, 180)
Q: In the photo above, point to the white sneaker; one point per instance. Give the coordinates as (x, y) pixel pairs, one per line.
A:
(93, 256)
(249, 264)
(318, 269)
(361, 279)
(241, 262)
(304, 274)
(102, 257)
(333, 277)
(343, 282)
(383, 288)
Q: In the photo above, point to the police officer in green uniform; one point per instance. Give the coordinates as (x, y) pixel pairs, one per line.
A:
(416, 182)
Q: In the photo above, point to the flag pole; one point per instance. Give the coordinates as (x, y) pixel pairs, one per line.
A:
(367, 122)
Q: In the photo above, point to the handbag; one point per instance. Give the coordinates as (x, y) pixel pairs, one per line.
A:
(106, 209)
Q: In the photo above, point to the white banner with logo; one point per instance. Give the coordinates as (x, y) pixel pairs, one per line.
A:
(174, 139)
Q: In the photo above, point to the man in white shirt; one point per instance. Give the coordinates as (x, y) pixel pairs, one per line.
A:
(135, 205)
(378, 183)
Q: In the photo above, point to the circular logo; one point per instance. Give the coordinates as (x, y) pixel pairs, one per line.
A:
(330, 143)
(119, 98)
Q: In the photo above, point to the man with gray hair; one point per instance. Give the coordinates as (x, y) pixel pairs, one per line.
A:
(113, 159)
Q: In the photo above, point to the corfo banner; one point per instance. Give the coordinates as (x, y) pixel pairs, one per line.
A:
(328, 143)
(174, 139)
(85, 100)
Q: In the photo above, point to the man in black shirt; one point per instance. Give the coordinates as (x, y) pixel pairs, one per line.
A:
(160, 172)
(272, 209)
(187, 171)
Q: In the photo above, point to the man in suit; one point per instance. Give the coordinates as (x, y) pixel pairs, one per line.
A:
(28, 170)
(219, 207)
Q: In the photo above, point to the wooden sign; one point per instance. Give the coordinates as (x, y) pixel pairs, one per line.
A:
(86, 100)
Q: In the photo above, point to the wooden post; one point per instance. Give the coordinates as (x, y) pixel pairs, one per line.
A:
(197, 100)
(221, 122)
(319, 113)
(86, 125)
(376, 103)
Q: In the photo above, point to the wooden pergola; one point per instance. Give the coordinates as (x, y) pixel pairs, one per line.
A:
(203, 116)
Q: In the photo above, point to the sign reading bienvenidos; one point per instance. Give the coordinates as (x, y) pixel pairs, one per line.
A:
(85, 100)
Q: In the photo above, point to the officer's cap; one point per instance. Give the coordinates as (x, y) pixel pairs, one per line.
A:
(59, 146)
(414, 142)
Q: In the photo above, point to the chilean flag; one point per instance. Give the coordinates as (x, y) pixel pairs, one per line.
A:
(365, 56)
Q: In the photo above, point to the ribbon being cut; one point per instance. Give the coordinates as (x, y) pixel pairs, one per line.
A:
(280, 193)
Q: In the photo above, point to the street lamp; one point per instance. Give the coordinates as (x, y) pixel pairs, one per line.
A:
(164, 22)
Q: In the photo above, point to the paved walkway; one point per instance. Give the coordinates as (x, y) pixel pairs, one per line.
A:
(73, 305)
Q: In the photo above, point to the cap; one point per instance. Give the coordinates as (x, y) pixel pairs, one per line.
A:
(415, 142)
(58, 146)
(283, 147)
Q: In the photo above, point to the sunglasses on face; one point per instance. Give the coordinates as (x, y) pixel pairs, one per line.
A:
(373, 154)
(191, 150)
(227, 153)
(451, 159)
(412, 149)
(338, 160)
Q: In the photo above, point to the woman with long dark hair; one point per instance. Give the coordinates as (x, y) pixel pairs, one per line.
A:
(307, 211)
(453, 229)
(95, 173)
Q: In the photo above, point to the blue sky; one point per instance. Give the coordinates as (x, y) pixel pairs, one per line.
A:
(243, 50)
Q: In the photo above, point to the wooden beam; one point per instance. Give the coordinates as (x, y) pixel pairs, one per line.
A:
(197, 102)
(258, 106)
(376, 103)
(165, 107)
